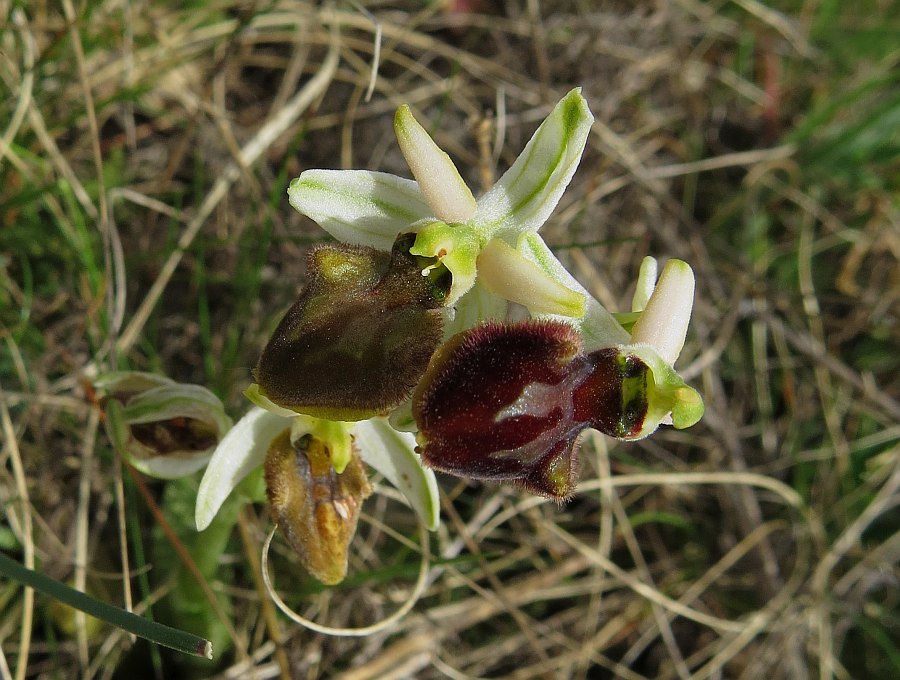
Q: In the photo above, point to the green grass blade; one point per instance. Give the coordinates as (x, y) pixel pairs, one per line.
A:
(150, 630)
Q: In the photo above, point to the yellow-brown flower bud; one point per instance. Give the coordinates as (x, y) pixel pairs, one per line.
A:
(316, 508)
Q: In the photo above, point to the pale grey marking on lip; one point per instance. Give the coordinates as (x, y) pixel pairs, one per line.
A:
(537, 399)
(540, 400)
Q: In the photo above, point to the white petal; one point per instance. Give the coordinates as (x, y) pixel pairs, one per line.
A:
(598, 327)
(444, 190)
(664, 322)
(358, 206)
(243, 449)
(645, 284)
(392, 454)
(505, 272)
(528, 192)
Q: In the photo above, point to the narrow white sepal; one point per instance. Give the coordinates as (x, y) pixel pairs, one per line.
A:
(392, 454)
(664, 322)
(243, 449)
(444, 190)
(526, 194)
(358, 206)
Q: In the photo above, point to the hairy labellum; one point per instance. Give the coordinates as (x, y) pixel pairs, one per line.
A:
(316, 508)
(360, 335)
(507, 402)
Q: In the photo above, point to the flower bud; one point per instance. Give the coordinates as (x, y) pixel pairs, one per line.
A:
(163, 428)
(316, 508)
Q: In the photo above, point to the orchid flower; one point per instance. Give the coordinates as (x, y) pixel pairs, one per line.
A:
(475, 241)
(507, 402)
(401, 319)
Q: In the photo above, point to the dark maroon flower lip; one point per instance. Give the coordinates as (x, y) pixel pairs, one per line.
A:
(358, 338)
(507, 402)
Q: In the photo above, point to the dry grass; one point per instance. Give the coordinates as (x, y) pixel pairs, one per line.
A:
(144, 155)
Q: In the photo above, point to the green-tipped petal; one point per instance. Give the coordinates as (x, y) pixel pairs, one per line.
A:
(598, 327)
(528, 192)
(439, 180)
(241, 451)
(392, 454)
(358, 206)
(505, 272)
(664, 322)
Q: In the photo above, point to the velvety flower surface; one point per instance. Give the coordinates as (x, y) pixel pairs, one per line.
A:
(495, 405)
(358, 338)
(508, 401)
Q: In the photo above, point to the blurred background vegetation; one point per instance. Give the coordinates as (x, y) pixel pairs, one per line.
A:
(145, 150)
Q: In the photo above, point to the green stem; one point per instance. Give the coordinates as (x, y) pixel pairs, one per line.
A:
(150, 630)
(143, 575)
